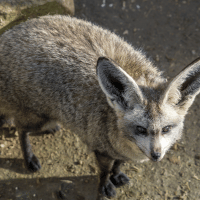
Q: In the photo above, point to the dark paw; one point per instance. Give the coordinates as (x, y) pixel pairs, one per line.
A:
(108, 190)
(2, 121)
(33, 164)
(119, 179)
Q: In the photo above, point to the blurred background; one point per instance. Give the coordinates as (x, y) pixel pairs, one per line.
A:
(169, 33)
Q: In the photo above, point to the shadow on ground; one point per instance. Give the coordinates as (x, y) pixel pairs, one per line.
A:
(71, 188)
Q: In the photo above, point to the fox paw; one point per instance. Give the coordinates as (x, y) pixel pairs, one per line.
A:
(108, 190)
(2, 121)
(119, 179)
(33, 164)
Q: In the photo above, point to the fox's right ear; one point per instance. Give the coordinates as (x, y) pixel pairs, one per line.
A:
(120, 89)
(183, 89)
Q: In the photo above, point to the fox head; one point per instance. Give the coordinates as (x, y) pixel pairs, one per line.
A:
(151, 117)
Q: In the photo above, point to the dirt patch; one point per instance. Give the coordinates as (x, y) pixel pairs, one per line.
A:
(169, 32)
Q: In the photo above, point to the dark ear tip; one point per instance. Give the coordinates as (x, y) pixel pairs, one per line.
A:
(101, 59)
(194, 61)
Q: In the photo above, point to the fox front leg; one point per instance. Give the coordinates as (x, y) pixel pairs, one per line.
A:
(106, 187)
(118, 178)
(31, 160)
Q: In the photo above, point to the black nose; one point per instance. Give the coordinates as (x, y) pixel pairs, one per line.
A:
(155, 155)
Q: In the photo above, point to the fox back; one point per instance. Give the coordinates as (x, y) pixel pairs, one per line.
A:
(62, 70)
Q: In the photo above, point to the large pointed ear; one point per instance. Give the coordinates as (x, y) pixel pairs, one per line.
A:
(184, 87)
(120, 89)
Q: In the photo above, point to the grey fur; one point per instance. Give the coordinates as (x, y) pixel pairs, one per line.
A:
(48, 77)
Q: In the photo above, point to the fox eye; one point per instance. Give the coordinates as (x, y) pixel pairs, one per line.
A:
(166, 129)
(141, 130)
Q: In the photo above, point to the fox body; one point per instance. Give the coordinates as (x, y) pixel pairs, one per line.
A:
(62, 70)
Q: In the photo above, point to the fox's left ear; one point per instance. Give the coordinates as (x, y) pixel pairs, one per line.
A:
(183, 89)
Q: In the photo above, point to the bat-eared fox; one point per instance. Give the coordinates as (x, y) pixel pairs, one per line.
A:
(61, 71)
